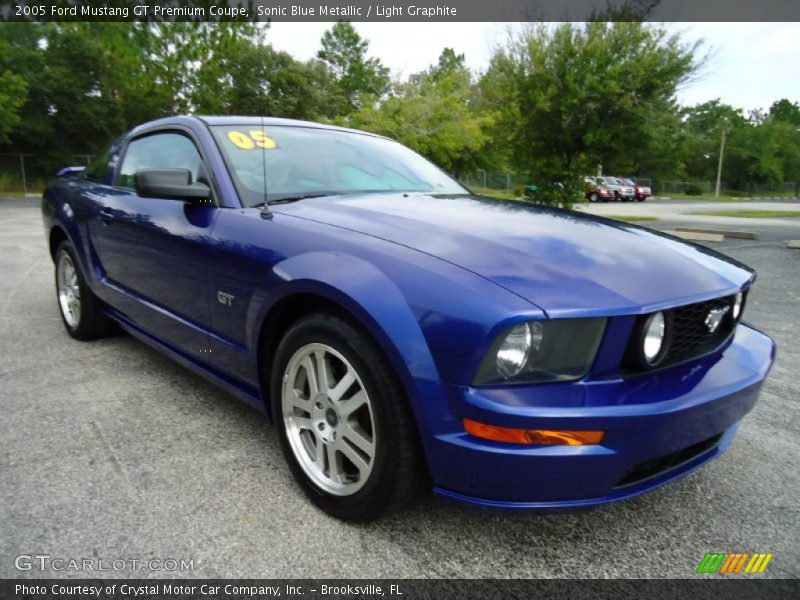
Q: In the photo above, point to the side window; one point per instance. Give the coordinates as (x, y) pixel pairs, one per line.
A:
(101, 169)
(159, 151)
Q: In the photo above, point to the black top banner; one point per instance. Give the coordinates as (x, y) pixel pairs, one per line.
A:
(401, 10)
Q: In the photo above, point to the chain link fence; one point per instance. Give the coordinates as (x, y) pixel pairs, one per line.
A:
(514, 183)
(780, 190)
(25, 173)
(495, 180)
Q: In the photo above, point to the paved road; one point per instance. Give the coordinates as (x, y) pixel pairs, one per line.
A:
(110, 450)
(679, 212)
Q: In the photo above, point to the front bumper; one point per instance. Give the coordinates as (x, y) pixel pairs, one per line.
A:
(659, 427)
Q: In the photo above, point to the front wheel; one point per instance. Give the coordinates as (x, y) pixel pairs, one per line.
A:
(594, 197)
(80, 309)
(343, 420)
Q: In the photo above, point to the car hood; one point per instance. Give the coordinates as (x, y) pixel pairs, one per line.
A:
(565, 262)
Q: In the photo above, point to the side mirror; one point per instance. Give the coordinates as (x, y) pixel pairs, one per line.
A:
(172, 184)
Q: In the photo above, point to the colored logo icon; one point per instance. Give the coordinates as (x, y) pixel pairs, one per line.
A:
(724, 563)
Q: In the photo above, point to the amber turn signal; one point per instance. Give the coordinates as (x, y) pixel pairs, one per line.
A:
(550, 437)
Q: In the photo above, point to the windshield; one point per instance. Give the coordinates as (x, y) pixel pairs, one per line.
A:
(628, 182)
(305, 161)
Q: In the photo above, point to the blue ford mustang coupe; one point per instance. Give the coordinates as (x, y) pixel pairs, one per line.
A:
(399, 330)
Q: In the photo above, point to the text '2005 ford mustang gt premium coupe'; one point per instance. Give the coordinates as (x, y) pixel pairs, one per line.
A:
(399, 331)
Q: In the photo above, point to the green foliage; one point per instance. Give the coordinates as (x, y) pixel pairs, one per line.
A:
(245, 76)
(786, 111)
(760, 148)
(357, 77)
(13, 90)
(432, 113)
(580, 96)
(565, 193)
(693, 189)
(554, 103)
(82, 84)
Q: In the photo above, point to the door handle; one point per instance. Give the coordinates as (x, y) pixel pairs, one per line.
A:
(106, 216)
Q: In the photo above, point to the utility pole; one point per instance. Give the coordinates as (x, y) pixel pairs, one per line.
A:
(719, 165)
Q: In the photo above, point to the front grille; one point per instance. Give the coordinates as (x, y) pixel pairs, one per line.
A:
(687, 335)
(662, 464)
(690, 334)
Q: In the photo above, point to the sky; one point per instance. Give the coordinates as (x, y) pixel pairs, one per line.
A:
(749, 65)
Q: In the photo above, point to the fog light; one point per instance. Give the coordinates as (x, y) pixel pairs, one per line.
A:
(540, 437)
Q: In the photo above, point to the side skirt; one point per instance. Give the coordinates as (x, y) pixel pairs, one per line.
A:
(244, 393)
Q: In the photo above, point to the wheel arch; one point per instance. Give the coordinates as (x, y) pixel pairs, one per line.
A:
(57, 235)
(366, 298)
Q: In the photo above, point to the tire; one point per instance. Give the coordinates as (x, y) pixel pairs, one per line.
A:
(594, 197)
(616, 196)
(79, 308)
(353, 465)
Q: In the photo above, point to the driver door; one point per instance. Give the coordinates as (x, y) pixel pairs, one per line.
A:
(152, 251)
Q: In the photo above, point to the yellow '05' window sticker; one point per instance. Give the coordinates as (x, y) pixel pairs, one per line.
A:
(255, 139)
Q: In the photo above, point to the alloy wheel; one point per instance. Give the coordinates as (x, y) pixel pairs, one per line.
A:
(69, 290)
(328, 418)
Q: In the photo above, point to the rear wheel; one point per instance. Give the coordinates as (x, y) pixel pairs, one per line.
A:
(344, 423)
(80, 309)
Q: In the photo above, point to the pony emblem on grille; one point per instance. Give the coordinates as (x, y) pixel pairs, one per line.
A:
(714, 318)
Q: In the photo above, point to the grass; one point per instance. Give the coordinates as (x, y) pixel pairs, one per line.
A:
(18, 193)
(502, 194)
(729, 198)
(632, 218)
(751, 214)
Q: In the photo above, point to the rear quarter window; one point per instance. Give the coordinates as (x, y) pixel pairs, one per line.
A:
(101, 169)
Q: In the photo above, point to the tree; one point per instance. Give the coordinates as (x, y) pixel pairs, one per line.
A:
(786, 111)
(433, 113)
(249, 77)
(587, 95)
(13, 93)
(448, 64)
(88, 82)
(356, 76)
(702, 127)
(752, 156)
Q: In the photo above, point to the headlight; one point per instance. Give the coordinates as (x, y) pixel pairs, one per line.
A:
(738, 302)
(541, 351)
(514, 350)
(655, 329)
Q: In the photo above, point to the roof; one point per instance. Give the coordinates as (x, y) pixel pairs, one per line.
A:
(184, 120)
(258, 121)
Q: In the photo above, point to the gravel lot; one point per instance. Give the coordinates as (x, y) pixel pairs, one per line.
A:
(111, 450)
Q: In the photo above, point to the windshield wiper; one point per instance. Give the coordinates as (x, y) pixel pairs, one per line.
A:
(287, 199)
